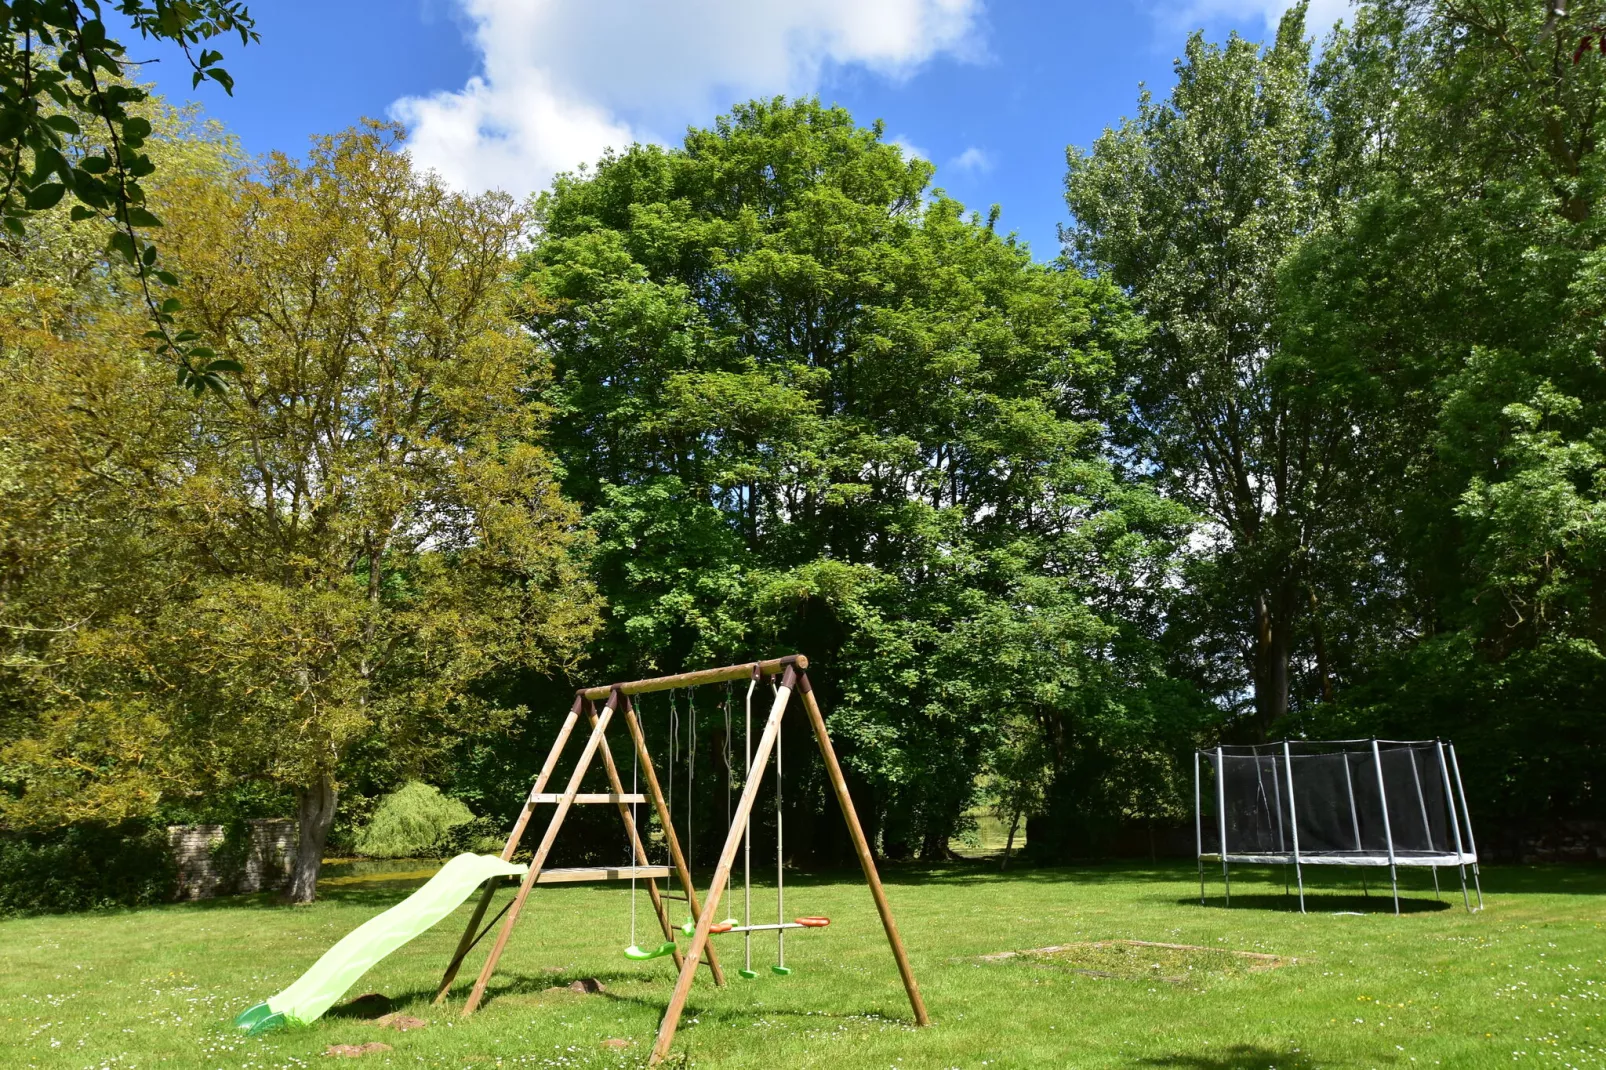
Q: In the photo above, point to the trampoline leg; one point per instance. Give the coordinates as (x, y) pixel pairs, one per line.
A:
(1364, 893)
(1226, 882)
(1201, 882)
(1299, 875)
(1285, 880)
(1436, 893)
(1464, 898)
(1394, 881)
(1476, 883)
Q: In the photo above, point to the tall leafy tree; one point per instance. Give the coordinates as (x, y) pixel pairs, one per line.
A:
(84, 428)
(814, 404)
(367, 528)
(1192, 207)
(1464, 281)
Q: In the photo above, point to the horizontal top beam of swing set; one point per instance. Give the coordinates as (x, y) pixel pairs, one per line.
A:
(695, 679)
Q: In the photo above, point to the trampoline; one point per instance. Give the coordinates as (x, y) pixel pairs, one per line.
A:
(1364, 802)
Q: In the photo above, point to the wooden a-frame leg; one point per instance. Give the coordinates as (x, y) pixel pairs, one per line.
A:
(727, 856)
(861, 847)
(640, 852)
(541, 853)
(467, 941)
(676, 856)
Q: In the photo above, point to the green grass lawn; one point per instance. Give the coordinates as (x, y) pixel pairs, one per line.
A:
(1523, 982)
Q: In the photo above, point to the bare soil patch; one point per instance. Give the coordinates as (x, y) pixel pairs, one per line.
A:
(1145, 960)
(352, 1051)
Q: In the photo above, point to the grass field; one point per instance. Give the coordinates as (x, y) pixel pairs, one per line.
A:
(1524, 982)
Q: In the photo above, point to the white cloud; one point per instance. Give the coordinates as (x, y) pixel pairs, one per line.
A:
(973, 160)
(1189, 14)
(910, 149)
(561, 80)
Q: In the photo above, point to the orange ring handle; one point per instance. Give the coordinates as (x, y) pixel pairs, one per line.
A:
(813, 922)
(722, 927)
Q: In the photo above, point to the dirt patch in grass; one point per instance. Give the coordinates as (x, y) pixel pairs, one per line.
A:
(400, 1022)
(355, 1051)
(1144, 960)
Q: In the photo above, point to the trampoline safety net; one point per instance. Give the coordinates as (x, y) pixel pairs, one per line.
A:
(1352, 802)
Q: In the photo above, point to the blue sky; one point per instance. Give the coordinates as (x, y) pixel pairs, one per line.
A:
(503, 93)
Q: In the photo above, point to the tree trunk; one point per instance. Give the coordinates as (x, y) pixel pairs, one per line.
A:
(315, 812)
(1323, 668)
(1271, 666)
(1009, 841)
(934, 841)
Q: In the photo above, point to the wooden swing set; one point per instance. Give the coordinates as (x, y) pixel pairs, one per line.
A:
(615, 699)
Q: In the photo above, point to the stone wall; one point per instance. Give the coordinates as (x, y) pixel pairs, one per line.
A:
(208, 866)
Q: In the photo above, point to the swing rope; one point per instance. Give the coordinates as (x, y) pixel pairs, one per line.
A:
(780, 862)
(730, 774)
(691, 769)
(630, 848)
(747, 835)
(635, 951)
(674, 743)
(688, 750)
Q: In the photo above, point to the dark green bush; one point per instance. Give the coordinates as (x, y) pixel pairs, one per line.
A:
(85, 867)
(482, 836)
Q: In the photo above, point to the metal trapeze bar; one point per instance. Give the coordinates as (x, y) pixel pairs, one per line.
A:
(756, 928)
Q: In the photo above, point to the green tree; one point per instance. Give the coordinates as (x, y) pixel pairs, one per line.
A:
(1193, 207)
(60, 71)
(815, 405)
(84, 431)
(1463, 284)
(367, 528)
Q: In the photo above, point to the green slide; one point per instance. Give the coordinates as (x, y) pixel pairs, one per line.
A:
(338, 969)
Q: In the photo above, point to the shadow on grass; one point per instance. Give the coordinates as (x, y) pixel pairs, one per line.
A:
(1324, 903)
(1550, 879)
(1237, 1057)
(378, 898)
(365, 1007)
(511, 986)
(1545, 879)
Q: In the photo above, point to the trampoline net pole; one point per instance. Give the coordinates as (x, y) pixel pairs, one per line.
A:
(1455, 824)
(1388, 832)
(1354, 817)
(1221, 817)
(1472, 843)
(1198, 828)
(1277, 807)
(1422, 804)
(1293, 822)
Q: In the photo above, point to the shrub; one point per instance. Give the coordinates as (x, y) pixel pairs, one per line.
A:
(85, 867)
(412, 822)
(481, 836)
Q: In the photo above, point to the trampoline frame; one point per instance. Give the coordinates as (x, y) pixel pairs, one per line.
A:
(1464, 855)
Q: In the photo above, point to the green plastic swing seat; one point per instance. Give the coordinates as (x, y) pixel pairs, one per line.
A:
(640, 954)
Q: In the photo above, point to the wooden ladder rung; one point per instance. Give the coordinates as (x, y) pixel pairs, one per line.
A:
(603, 797)
(599, 873)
